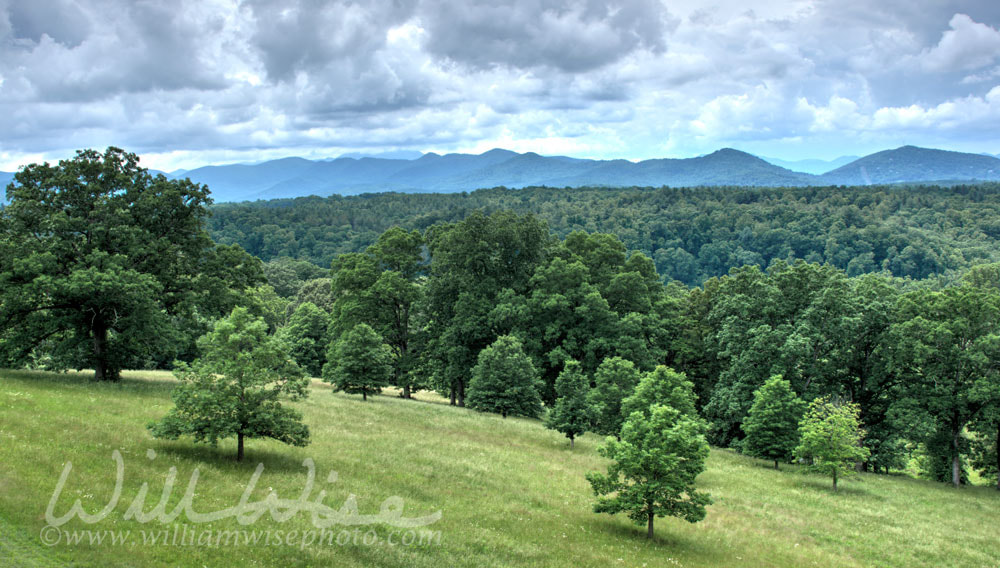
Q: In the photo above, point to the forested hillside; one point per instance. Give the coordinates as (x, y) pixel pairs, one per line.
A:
(691, 234)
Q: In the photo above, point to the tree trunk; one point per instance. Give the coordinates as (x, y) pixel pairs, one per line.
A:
(102, 371)
(364, 395)
(239, 447)
(571, 442)
(461, 394)
(776, 465)
(998, 456)
(451, 396)
(401, 376)
(649, 524)
(834, 479)
(956, 461)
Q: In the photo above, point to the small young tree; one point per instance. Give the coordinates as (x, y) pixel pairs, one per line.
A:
(572, 414)
(505, 381)
(234, 388)
(359, 363)
(654, 468)
(662, 385)
(831, 436)
(306, 337)
(615, 380)
(772, 426)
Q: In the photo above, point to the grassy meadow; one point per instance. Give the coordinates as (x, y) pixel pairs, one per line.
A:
(510, 492)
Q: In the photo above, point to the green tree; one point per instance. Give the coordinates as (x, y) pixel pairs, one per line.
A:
(830, 436)
(472, 262)
(359, 362)
(235, 388)
(103, 263)
(662, 385)
(947, 344)
(572, 414)
(316, 291)
(986, 448)
(772, 425)
(264, 302)
(381, 288)
(654, 468)
(562, 317)
(505, 381)
(307, 337)
(615, 380)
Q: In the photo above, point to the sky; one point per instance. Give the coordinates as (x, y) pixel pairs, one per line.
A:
(190, 83)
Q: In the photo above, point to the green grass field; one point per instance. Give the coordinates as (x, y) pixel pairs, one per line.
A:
(510, 492)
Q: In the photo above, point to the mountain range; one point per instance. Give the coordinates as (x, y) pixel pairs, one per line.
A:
(348, 175)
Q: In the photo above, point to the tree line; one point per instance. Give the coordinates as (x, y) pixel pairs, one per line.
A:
(691, 234)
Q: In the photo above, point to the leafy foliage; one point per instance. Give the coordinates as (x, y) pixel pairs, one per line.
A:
(615, 379)
(235, 388)
(504, 381)
(109, 266)
(830, 438)
(359, 362)
(307, 337)
(692, 234)
(772, 425)
(572, 413)
(661, 386)
(947, 344)
(653, 468)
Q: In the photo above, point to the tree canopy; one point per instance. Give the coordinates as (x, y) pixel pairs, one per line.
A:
(772, 425)
(235, 388)
(504, 381)
(106, 266)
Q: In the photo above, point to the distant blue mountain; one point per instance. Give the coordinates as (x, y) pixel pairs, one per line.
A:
(296, 177)
(5, 179)
(392, 155)
(812, 166)
(911, 163)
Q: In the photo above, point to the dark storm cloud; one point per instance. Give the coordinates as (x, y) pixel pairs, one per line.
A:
(61, 20)
(198, 79)
(309, 35)
(561, 34)
(70, 52)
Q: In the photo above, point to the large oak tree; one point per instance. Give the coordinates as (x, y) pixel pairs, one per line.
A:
(106, 266)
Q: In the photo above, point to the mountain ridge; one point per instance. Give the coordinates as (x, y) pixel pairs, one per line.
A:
(456, 172)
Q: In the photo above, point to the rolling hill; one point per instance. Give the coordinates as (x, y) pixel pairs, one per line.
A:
(449, 173)
(910, 163)
(452, 173)
(510, 492)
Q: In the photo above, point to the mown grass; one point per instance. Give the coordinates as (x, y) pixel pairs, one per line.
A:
(510, 492)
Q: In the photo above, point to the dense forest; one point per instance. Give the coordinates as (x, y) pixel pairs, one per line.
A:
(573, 304)
(691, 234)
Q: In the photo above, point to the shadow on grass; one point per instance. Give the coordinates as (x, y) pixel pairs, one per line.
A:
(853, 486)
(51, 379)
(662, 536)
(224, 458)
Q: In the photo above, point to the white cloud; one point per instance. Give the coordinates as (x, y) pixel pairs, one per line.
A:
(967, 46)
(224, 79)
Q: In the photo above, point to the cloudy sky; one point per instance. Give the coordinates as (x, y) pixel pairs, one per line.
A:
(188, 83)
